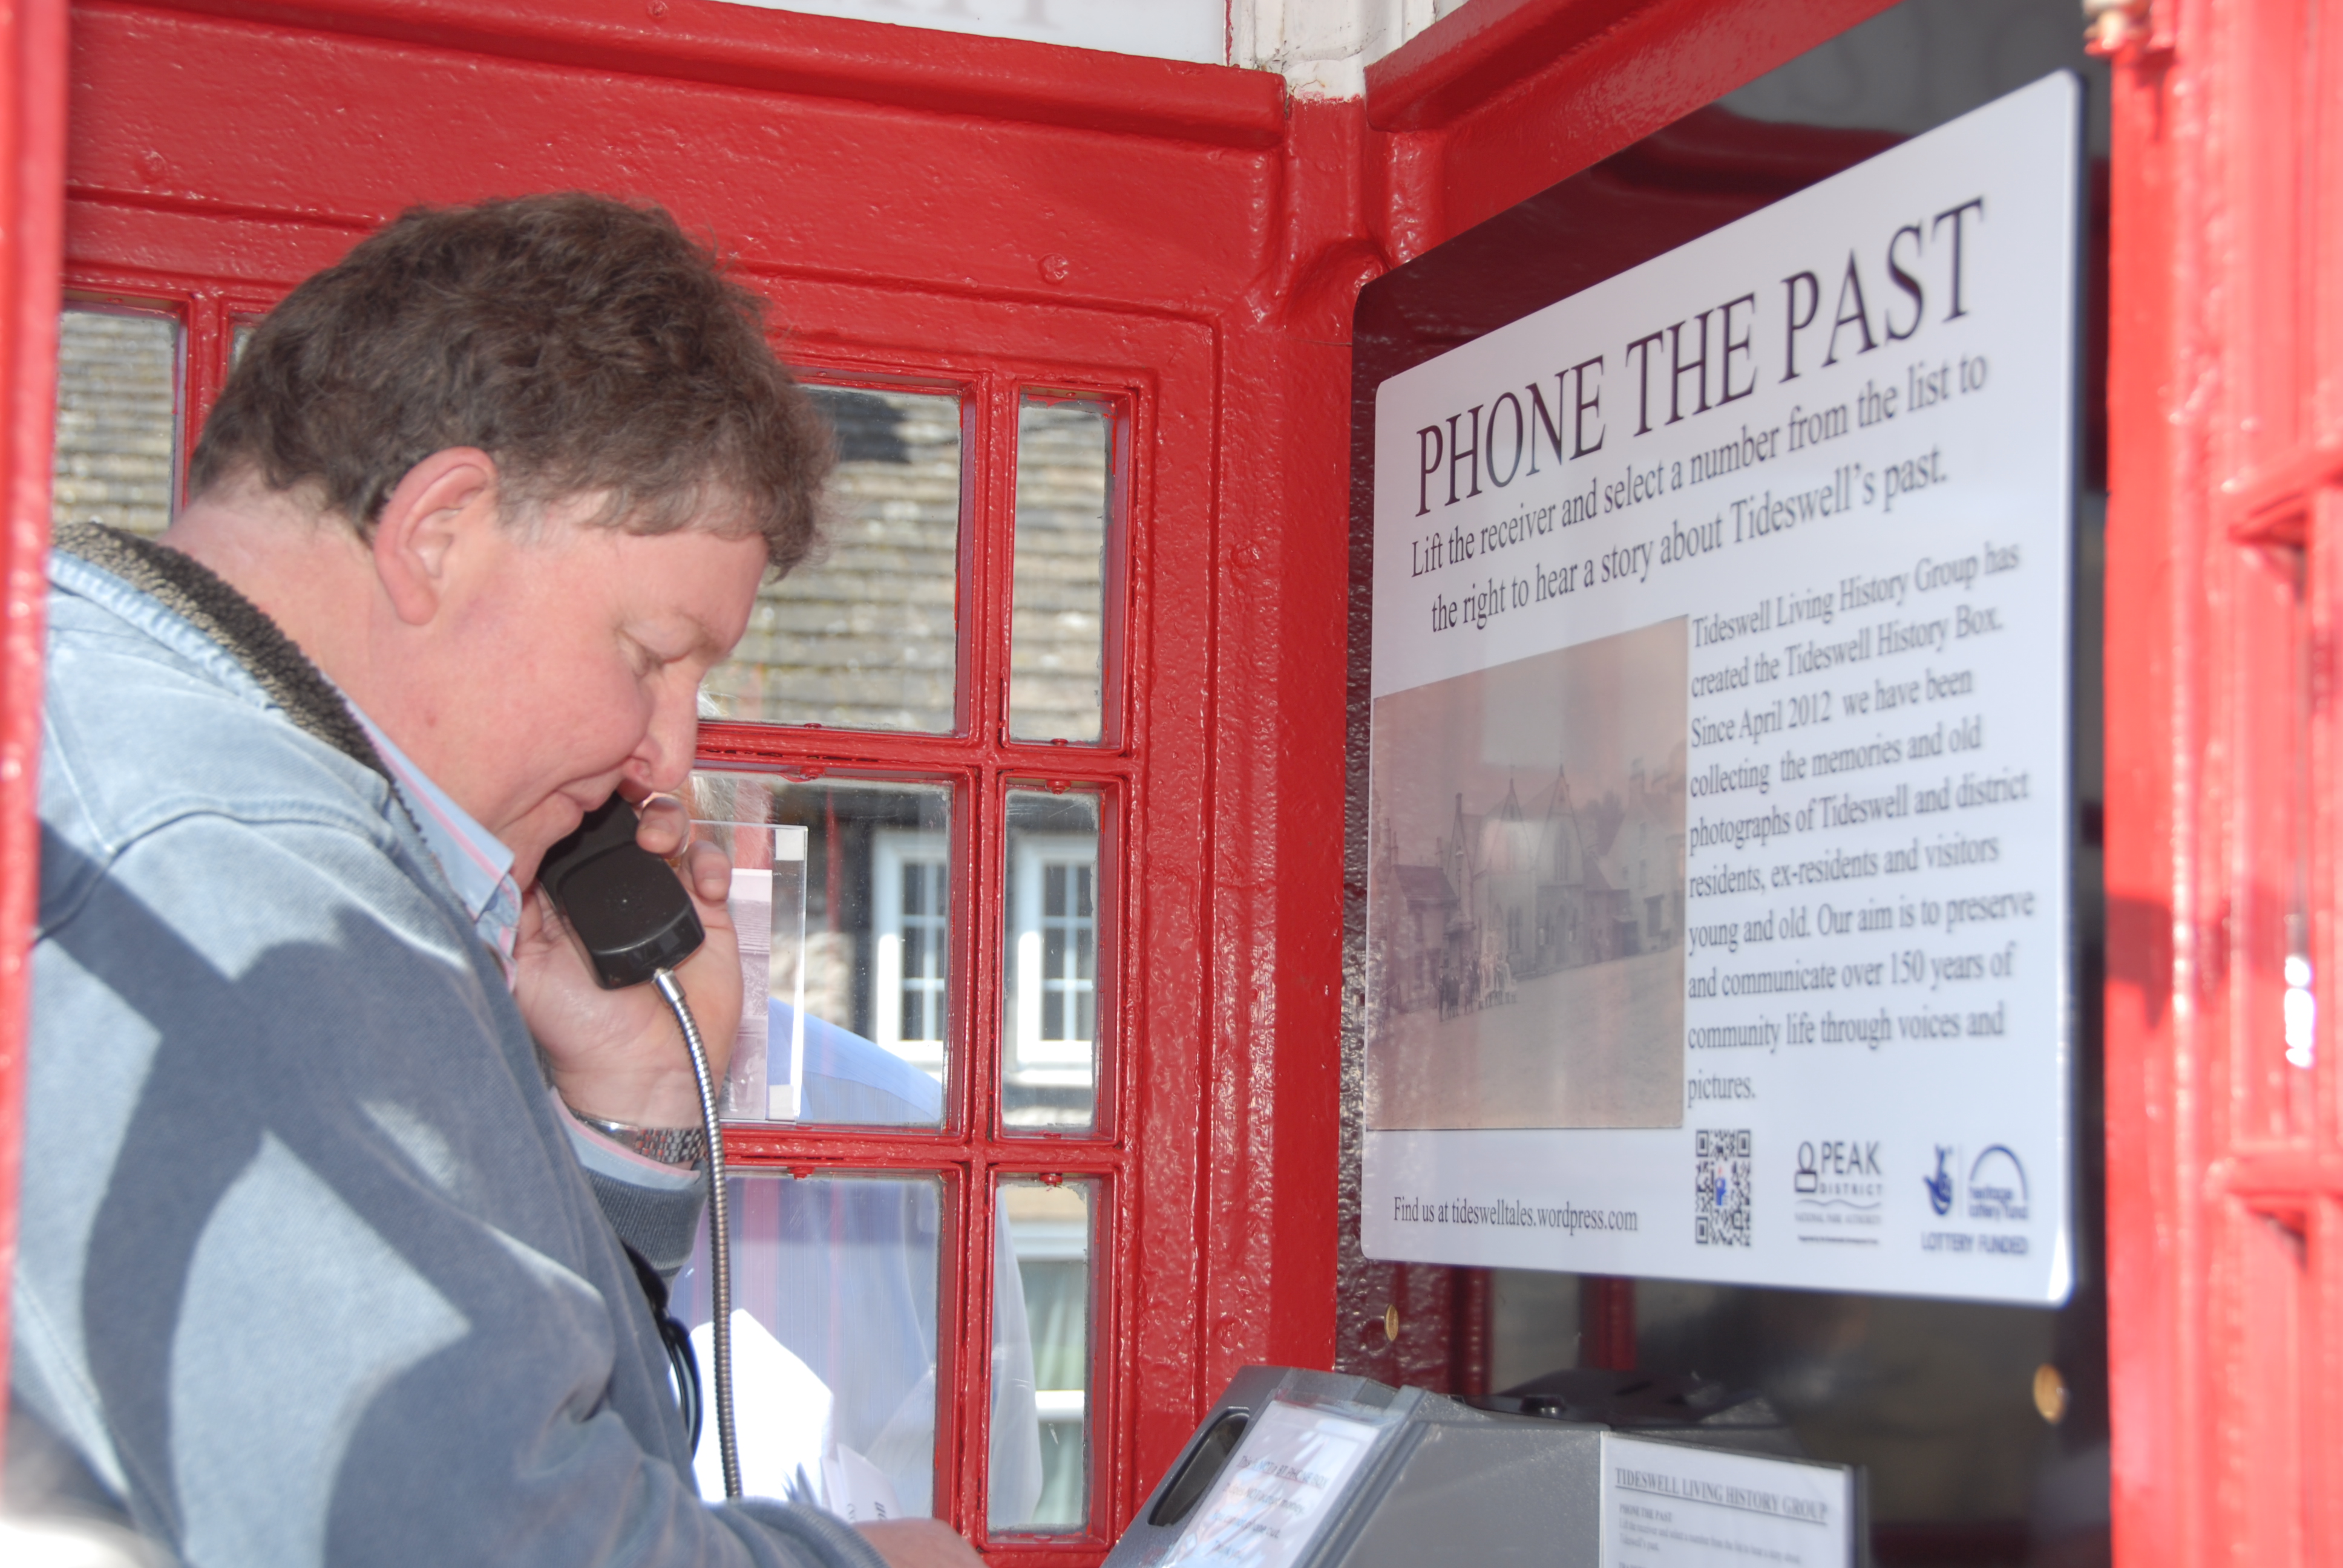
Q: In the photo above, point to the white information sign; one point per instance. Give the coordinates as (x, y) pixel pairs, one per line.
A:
(1665, 1505)
(1719, 813)
(1279, 1489)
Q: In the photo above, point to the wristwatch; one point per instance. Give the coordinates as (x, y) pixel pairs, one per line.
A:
(683, 1146)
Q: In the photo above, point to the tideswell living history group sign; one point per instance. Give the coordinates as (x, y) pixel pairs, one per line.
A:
(1719, 810)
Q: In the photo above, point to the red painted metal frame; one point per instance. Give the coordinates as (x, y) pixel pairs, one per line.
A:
(819, 56)
(1501, 98)
(32, 191)
(2225, 1175)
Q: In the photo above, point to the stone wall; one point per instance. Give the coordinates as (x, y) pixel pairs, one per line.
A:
(117, 384)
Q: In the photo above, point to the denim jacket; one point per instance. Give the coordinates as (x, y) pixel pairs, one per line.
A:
(307, 1268)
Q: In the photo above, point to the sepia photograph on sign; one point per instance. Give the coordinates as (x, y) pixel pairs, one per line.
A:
(1525, 896)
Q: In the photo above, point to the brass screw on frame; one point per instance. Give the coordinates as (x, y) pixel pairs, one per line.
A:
(2049, 1393)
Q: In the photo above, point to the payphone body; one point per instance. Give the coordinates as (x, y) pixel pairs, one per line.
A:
(1439, 1482)
(1300, 1468)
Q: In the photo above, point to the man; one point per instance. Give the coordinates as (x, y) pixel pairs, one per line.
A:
(311, 1270)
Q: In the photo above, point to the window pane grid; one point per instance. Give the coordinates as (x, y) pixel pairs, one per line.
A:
(947, 993)
(1021, 1459)
(896, 940)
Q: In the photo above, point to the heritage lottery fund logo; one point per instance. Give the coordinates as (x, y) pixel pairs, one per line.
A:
(1990, 1190)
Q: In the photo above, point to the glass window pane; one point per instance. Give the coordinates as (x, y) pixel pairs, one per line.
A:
(768, 908)
(1065, 451)
(877, 957)
(118, 420)
(864, 638)
(1040, 1464)
(833, 1325)
(1052, 954)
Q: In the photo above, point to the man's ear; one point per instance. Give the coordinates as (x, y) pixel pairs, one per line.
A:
(442, 498)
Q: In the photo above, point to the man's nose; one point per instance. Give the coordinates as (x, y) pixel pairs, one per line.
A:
(663, 761)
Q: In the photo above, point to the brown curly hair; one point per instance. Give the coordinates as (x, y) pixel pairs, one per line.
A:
(589, 345)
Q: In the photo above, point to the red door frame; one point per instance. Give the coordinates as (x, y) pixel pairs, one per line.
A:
(31, 215)
(2225, 1176)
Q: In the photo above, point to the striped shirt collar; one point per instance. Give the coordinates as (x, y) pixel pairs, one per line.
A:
(477, 866)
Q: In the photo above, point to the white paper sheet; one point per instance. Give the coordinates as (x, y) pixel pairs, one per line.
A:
(780, 1415)
(856, 1490)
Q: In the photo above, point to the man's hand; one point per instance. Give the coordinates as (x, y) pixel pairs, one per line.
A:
(616, 1054)
(919, 1543)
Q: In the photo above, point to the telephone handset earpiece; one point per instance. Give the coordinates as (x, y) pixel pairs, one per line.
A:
(625, 907)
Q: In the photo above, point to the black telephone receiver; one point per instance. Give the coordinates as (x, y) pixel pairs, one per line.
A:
(625, 905)
(631, 914)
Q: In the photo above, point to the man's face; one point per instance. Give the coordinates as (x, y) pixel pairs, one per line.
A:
(571, 667)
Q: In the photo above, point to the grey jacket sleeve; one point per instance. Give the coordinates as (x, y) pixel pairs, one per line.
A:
(654, 1210)
(825, 1537)
(307, 1270)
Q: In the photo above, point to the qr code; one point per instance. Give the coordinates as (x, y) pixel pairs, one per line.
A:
(1721, 1187)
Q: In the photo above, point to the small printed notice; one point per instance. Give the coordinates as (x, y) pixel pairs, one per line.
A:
(1665, 1505)
(1719, 822)
(1279, 1490)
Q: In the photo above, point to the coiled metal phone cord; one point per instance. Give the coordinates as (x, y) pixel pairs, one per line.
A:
(719, 1229)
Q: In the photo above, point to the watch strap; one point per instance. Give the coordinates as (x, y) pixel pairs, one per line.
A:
(686, 1147)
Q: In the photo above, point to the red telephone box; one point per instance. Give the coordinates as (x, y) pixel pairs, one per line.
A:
(1178, 248)
(2222, 1152)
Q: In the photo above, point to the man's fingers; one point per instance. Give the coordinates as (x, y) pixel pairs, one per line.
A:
(919, 1543)
(709, 872)
(533, 906)
(666, 831)
(666, 826)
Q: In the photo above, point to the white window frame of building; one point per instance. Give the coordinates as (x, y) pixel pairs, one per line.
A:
(1053, 1241)
(891, 850)
(1066, 1061)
